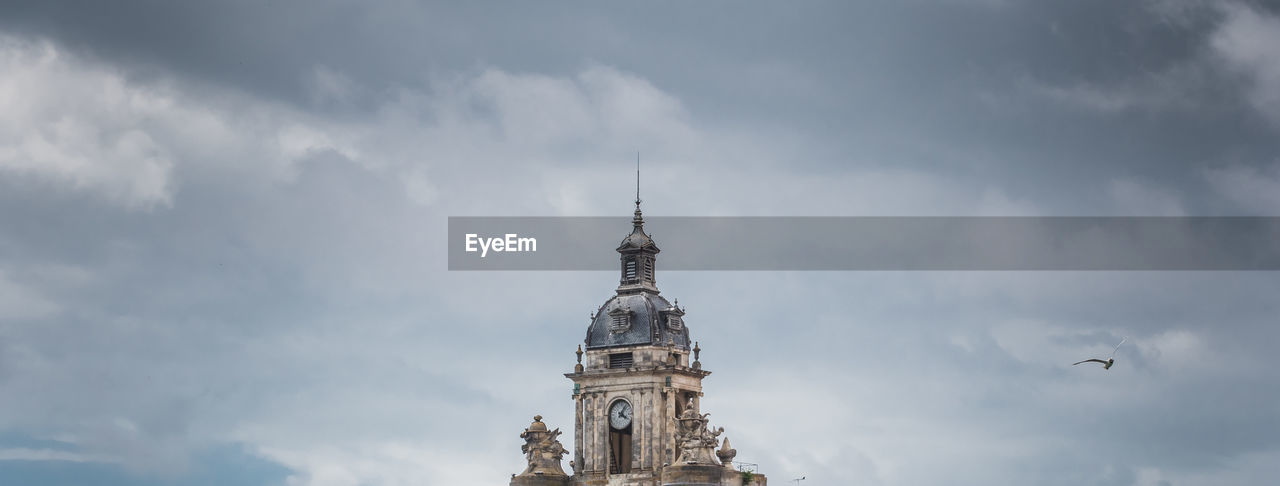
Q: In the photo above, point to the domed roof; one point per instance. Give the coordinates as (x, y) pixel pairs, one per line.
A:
(639, 318)
(637, 239)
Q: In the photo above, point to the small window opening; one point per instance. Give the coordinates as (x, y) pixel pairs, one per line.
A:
(619, 320)
(621, 360)
(620, 450)
(629, 271)
(675, 323)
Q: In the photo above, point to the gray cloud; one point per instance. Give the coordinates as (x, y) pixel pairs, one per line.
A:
(235, 232)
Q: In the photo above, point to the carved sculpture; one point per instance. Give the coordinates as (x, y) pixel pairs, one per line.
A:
(542, 450)
(726, 454)
(578, 367)
(697, 442)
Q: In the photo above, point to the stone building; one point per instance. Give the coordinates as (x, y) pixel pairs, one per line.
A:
(637, 394)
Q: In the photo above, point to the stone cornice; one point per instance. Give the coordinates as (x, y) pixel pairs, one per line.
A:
(650, 371)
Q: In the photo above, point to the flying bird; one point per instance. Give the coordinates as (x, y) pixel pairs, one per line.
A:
(1106, 364)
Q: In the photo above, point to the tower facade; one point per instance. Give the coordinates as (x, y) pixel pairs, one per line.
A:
(637, 376)
(637, 390)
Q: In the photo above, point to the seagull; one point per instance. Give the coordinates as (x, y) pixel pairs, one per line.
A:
(1106, 364)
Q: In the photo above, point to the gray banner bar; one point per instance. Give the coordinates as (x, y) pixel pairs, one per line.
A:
(873, 243)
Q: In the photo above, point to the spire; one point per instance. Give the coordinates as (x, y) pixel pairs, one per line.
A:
(637, 180)
(637, 221)
(638, 250)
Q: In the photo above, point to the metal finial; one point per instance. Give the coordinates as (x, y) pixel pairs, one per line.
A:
(637, 221)
(637, 180)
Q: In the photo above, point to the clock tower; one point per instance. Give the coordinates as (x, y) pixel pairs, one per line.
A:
(637, 377)
(636, 395)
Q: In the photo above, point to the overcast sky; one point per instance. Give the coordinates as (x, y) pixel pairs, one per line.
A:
(222, 229)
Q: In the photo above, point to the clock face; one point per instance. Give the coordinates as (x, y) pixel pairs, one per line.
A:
(620, 414)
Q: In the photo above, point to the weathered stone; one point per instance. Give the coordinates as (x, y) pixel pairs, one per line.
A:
(697, 441)
(540, 480)
(726, 454)
(692, 475)
(543, 452)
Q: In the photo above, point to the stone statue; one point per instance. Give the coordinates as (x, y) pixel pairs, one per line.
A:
(697, 442)
(690, 410)
(542, 450)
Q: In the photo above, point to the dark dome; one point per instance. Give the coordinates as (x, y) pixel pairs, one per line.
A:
(638, 240)
(650, 319)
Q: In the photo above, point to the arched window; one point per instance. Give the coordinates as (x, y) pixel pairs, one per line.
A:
(629, 271)
(621, 416)
(648, 269)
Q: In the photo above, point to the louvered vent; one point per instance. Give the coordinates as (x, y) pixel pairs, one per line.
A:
(675, 323)
(629, 272)
(621, 360)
